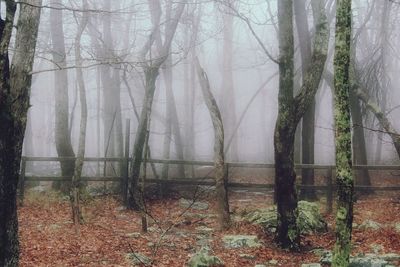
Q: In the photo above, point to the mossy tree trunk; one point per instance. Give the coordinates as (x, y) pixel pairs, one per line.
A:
(221, 180)
(15, 82)
(344, 176)
(291, 110)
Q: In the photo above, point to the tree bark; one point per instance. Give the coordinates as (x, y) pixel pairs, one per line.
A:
(344, 176)
(308, 123)
(221, 180)
(15, 82)
(291, 110)
(76, 178)
(62, 136)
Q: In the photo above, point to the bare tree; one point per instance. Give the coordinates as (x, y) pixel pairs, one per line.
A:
(221, 179)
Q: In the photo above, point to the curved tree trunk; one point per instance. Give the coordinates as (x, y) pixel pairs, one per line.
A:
(221, 180)
(62, 136)
(15, 83)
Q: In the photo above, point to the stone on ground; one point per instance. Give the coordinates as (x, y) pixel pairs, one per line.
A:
(196, 205)
(241, 241)
(370, 225)
(203, 259)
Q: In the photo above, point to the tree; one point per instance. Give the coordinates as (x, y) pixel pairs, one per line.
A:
(151, 68)
(62, 133)
(75, 188)
(221, 179)
(291, 110)
(344, 176)
(15, 84)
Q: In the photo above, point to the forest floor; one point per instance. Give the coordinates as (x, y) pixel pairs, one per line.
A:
(110, 232)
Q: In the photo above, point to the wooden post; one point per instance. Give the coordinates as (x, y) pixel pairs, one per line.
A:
(22, 181)
(329, 191)
(125, 174)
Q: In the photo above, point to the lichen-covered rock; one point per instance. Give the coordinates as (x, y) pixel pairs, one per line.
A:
(370, 225)
(362, 260)
(138, 259)
(203, 259)
(241, 241)
(196, 205)
(367, 261)
(310, 219)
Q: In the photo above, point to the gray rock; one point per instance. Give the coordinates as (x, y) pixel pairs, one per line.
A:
(133, 235)
(390, 257)
(273, 262)
(377, 248)
(198, 205)
(241, 241)
(367, 261)
(139, 259)
(204, 230)
(260, 265)
(397, 227)
(247, 256)
(370, 225)
(203, 259)
(311, 265)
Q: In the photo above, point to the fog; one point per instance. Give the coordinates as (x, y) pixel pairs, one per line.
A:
(243, 78)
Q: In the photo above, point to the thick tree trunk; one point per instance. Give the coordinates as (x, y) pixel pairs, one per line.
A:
(62, 136)
(344, 176)
(221, 180)
(291, 111)
(15, 85)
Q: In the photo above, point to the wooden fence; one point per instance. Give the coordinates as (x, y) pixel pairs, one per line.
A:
(329, 187)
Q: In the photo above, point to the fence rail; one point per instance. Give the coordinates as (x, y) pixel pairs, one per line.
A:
(329, 187)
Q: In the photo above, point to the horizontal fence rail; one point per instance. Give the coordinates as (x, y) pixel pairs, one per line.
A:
(205, 181)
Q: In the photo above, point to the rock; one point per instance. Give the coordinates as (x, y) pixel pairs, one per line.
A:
(370, 225)
(325, 257)
(367, 261)
(397, 227)
(310, 219)
(272, 262)
(203, 259)
(247, 256)
(241, 241)
(311, 265)
(186, 203)
(390, 257)
(133, 235)
(260, 265)
(204, 230)
(139, 259)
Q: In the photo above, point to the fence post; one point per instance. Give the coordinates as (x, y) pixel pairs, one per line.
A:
(329, 191)
(125, 176)
(22, 181)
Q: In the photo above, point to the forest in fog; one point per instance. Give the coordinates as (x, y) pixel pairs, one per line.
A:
(254, 112)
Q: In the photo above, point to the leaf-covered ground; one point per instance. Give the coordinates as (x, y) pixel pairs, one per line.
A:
(48, 237)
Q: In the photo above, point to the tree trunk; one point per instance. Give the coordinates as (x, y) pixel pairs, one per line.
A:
(221, 180)
(62, 136)
(135, 200)
(291, 111)
(15, 85)
(308, 124)
(344, 176)
(76, 179)
(358, 140)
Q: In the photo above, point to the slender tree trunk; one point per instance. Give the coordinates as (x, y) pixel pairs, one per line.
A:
(221, 180)
(76, 179)
(15, 82)
(135, 200)
(344, 176)
(62, 136)
(308, 124)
